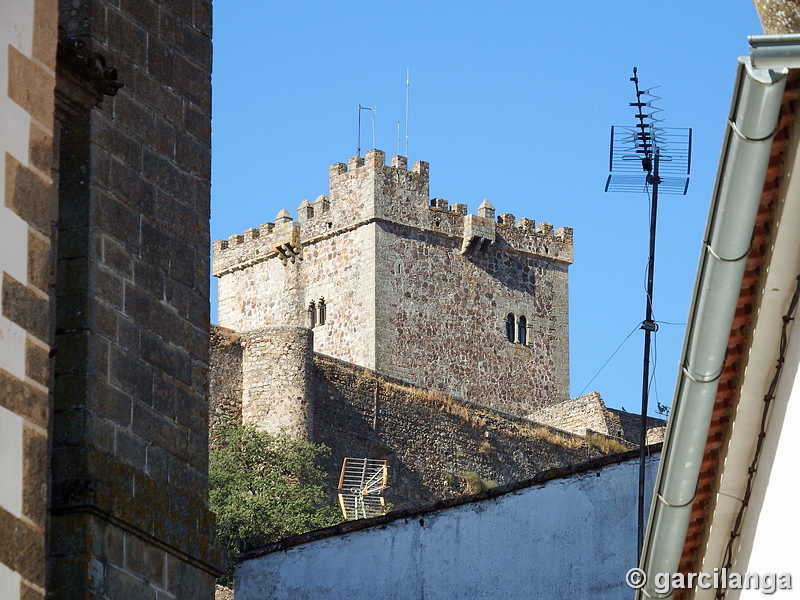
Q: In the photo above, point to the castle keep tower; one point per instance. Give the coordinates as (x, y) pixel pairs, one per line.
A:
(389, 279)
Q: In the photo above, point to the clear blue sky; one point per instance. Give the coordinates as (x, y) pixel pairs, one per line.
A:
(510, 101)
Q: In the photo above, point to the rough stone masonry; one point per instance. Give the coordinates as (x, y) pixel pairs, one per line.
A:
(392, 280)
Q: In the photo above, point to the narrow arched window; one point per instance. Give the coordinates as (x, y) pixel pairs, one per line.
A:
(510, 327)
(522, 330)
(321, 311)
(312, 314)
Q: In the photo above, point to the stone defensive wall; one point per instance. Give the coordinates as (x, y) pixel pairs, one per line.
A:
(588, 414)
(398, 196)
(579, 415)
(432, 441)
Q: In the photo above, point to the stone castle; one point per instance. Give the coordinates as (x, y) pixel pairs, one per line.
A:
(396, 282)
(388, 324)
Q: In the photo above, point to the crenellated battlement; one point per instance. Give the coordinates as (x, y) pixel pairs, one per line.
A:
(367, 190)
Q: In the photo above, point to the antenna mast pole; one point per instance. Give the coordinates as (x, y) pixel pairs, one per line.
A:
(649, 150)
(358, 152)
(649, 326)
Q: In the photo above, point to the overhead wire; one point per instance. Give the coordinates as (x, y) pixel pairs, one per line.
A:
(610, 357)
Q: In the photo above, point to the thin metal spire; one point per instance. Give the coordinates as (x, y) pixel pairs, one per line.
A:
(407, 74)
(374, 110)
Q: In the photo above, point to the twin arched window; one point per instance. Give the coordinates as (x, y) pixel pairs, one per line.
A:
(517, 329)
(317, 313)
(312, 314)
(522, 330)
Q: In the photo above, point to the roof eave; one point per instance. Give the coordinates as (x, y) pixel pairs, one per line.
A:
(734, 206)
(760, 357)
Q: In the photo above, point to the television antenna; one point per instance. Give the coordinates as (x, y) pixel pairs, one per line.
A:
(374, 109)
(648, 158)
(361, 485)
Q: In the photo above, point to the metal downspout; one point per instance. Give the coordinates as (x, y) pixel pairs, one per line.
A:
(737, 193)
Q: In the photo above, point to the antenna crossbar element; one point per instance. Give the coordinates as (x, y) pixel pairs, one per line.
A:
(361, 485)
(631, 150)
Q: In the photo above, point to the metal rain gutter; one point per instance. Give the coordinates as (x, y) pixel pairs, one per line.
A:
(775, 52)
(742, 168)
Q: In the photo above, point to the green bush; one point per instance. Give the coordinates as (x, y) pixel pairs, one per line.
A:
(474, 483)
(264, 488)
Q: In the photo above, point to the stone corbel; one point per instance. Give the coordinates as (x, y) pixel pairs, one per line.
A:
(82, 78)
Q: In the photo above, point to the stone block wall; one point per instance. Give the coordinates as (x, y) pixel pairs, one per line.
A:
(441, 316)
(413, 287)
(577, 415)
(129, 507)
(337, 268)
(27, 81)
(588, 413)
(631, 425)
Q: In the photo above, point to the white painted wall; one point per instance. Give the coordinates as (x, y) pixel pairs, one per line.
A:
(570, 538)
(16, 29)
(9, 583)
(11, 462)
(772, 522)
